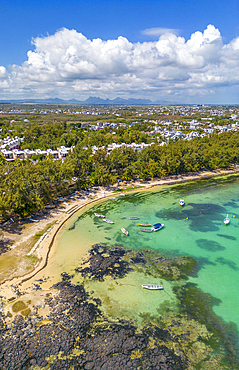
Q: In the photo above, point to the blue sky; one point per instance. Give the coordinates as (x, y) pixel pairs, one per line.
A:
(178, 51)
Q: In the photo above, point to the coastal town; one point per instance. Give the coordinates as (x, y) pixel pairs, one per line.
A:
(185, 122)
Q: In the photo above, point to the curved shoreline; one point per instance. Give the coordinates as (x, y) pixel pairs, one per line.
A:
(46, 247)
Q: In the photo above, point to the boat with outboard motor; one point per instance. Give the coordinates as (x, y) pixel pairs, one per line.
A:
(226, 220)
(152, 286)
(157, 227)
(181, 202)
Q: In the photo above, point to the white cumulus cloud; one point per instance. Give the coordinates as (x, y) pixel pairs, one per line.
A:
(158, 31)
(69, 65)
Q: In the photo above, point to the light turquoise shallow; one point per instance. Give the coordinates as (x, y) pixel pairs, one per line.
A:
(196, 230)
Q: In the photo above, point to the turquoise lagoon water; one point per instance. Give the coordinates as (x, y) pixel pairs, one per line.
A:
(196, 230)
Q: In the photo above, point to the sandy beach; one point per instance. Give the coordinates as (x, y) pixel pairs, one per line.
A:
(16, 235)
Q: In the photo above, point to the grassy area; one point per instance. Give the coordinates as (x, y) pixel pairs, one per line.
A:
(18, 306)
(16, 262)
(38, 235)
(26, 312)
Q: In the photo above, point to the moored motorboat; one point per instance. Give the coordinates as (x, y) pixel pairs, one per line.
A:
(145, 225)
(134, 218)
(152, 286)
(146, 230)
(226, 220)
(157, 227)
(97, 215)
(108, 221)
(181, 202)
(124, 231)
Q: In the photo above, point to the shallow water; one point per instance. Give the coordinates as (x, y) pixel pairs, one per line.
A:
(196, 230)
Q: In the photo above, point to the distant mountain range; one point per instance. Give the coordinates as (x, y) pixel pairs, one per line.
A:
(90, 101)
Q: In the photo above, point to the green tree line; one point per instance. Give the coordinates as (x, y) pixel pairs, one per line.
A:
(26, 186)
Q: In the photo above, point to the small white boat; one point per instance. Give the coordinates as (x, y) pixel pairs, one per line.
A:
(157, 227)
(181, 202)
(152, 286)
(108, 221)
(226, 220)
(134, 218)
(97, 215)
(124, 231)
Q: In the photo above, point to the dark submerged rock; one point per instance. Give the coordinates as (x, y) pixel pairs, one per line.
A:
(101, 263)
(76, 324)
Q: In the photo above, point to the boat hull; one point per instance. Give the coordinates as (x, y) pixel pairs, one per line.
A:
(108, 221)
(97, 215)
(146, 230)
(152, 286)
(124, 231)
(157, 227)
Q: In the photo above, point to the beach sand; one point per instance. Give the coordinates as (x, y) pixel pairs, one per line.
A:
(16, 235)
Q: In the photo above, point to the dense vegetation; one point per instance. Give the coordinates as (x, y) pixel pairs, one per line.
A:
(26, 186)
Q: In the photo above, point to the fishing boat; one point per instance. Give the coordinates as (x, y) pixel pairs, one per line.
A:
(181, 202)
(144, 225)
(33, 220)
(146, 230)
(124, 231)
(226, 220)
(108, 221)
(157, 227)
(134, 218)
(152, 286)
(97, 215)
